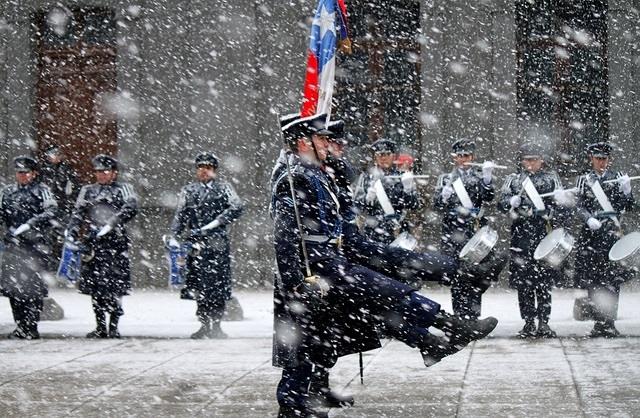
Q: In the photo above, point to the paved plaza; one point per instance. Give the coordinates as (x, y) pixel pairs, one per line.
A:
(156, 370)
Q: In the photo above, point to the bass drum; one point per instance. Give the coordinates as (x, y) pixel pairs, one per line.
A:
(626, 250)
(555, 247)
(479, 246)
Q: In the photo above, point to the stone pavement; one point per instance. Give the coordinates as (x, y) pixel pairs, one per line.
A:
(63, 375)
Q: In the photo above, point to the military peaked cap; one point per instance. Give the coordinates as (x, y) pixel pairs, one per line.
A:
(207, 158)
(384, 145)
(463, 146)
(25, 164)
(102, 162)
(599, 149)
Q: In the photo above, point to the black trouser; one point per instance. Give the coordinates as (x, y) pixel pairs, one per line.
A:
(535, 302)
(107, 303)
(605, 301)
(466, 298)
(26, 312)
(209, 308)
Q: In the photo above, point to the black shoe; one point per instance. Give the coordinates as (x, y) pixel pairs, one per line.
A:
(114, 333)
(330, 399)
(113, 327)
(605, 330)
(434, 348)
(462, 331)
(216, 332)
(300, 412)
(545, 331)
(98, 333)
(202, 333)
(18, 334)
(528, 331)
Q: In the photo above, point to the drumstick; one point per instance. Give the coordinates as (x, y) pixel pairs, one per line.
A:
(500, 167)
(620, 178)
(571, 190)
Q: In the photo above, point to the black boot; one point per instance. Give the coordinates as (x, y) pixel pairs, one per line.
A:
(529, 329)
(18, 334)
(434, 348)
(113, 326)
(286, 411)
(462, 331)
(609, 329)
(204, 331)
(215, 331)
(545, 331)
(101, 326)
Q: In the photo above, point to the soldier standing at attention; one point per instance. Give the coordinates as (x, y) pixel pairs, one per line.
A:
(462, 216)
(205, 210)
(98, 223)
(596, 196)
(532, 279)
(26, 209)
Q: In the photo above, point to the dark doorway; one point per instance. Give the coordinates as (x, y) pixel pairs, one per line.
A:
(76, 63)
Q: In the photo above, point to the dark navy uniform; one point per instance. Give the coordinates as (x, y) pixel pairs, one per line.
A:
(105, 273)
(378, 225)
(532, 279)
(26, 211)
(64, 185)
(459, 224)
(208, 271)
(593, 269)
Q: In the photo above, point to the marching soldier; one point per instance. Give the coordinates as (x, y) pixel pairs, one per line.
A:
(603, 196)
(461, 205)
(531, 221)
(26, 209)
(384, 208)
(98, 226)
(205, 210)
(320, 289)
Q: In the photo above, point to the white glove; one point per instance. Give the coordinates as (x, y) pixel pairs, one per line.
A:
(211, 225)
(594, 224)
(21, 229)
(104, 230)
(564, 198)
(487, 170)
(371, 195)
(515, 201)
(408, 183)
(446, 193)
(173, 243)
(625, 184)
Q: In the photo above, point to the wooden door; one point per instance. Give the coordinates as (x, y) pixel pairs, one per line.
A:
(76, 59)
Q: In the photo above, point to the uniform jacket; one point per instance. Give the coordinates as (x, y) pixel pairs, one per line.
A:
(23, 256)
(459, 224)
(592, 259)
(317, 331)
(106, 269)
(63, 182)
(377, 225)
(208, 264)
(530, 226)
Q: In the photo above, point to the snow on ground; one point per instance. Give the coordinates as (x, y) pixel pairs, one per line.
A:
(156, 370)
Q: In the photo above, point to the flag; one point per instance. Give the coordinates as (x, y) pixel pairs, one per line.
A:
(328, 31)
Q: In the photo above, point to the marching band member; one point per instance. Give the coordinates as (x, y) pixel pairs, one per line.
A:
(600, 204)
(532, 218)
(459, 197)
(384, 206)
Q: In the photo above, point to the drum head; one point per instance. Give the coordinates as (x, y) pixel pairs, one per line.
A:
(625, 246)
(485, 235)
(549, 243)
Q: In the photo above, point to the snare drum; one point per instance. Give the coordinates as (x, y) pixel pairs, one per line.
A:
(626, 250)
(480, 245)
(555, 247)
